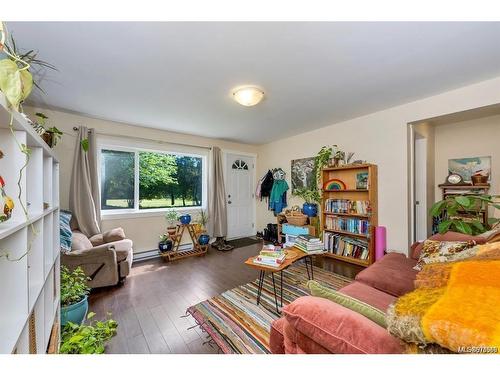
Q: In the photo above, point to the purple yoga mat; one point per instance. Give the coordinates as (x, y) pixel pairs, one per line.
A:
(380, 242)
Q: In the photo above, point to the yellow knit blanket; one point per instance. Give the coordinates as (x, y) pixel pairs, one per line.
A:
(456, 305)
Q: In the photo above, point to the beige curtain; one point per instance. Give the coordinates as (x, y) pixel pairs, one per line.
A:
(84, 197)
(217, 198)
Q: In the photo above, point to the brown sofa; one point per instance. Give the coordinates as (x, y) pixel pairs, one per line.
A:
(317, 325)
(105, 258)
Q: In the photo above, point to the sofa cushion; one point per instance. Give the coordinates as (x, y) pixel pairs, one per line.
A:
(295, 342)
(366, 293)
(374, 314)
(80, 242)
(337, 329)
(113, 235)
(97, 239)
(393, 274)
(65, 232)
(276, 337)
(448, 236)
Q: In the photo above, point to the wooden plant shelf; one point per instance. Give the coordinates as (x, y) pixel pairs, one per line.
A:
(174, 255)
(176, 238)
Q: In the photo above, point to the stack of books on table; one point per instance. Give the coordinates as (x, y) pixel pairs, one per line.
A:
(309, 244)
(271, 256)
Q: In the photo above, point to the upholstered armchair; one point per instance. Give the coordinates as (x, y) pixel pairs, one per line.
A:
(105, 258)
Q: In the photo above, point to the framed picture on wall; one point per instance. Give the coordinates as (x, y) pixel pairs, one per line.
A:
(303, 176)
(466, 167)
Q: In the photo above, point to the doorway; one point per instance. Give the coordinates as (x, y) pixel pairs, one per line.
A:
(420, 201)
(240, 195)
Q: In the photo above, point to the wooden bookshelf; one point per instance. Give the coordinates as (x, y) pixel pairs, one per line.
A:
(348, 175)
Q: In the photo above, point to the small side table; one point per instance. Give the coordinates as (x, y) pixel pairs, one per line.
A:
(293, 255)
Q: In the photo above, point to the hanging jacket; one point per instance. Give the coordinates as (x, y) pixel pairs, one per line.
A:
(267, 185)
(277, 199)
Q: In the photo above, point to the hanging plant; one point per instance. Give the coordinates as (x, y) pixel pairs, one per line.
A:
(16, 82)
(320, 161)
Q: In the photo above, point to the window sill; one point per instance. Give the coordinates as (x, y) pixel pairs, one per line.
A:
(149, 213)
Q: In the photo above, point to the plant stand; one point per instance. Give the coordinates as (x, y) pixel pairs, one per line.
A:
(176, 238)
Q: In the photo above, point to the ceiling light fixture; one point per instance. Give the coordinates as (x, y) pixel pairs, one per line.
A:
(248, 95)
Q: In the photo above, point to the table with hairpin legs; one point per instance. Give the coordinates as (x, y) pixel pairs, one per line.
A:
(293, 255)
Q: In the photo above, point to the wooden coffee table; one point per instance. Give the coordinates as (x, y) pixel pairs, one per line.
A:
(292, 255)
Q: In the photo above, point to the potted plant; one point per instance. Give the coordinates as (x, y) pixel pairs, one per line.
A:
(171, 217)
(87, 338)
(311, 198)
(203, 219)
(165, 243)
(74, 291)
(321, 160)
(463, 213)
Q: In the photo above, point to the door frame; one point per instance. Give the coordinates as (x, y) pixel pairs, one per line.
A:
(420, 157)
(225, 153)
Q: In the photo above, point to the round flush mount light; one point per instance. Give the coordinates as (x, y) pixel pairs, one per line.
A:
(248, 95)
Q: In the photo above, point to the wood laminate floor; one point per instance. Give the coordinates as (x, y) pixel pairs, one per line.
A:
(150, 307)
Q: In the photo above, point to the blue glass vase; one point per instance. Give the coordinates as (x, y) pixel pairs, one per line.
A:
(204, 239)
(310, 209)
(185, 219)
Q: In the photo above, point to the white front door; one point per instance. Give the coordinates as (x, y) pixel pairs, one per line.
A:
(240, 196)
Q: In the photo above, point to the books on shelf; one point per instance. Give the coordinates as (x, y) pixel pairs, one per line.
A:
(347, 206)
(352, 225)
(271, 256)
(309, 244)
(345, 246)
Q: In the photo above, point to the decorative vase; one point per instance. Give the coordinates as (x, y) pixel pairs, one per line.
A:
(6, 203)
(165, 246)
(185, 219)
(75, 313)
(310, 209)
(171, 230)
(204, 239)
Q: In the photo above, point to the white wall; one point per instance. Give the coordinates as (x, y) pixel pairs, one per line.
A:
(380, 138)
(472, 138)
(144, 231)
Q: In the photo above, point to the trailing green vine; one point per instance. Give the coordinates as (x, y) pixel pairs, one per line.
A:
(16, 82)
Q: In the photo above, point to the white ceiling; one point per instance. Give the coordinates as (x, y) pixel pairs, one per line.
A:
(179, 76)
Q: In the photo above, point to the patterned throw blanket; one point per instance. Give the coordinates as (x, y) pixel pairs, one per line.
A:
(454, 308)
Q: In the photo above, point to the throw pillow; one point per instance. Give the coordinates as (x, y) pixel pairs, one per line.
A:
(116, 234)
(80, 242)
(65, 232)
(444, 251)
(372, 313)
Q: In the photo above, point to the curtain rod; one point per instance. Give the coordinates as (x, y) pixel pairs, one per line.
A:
(149, 140)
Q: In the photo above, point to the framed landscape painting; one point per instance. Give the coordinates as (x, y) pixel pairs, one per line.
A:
(303, 176)
(466, 167)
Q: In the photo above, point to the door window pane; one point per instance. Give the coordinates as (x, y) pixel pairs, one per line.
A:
(117, 179)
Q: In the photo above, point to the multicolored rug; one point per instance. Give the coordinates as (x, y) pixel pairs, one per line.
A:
(235, 322)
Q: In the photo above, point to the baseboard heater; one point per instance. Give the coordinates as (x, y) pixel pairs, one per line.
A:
(152, 254)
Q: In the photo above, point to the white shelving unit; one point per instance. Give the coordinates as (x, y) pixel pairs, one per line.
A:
(30, 285)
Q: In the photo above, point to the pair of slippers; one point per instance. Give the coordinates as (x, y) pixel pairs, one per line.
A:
(221, 245)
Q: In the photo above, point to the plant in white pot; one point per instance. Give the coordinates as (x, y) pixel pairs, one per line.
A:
(172, 219)
(74, 292)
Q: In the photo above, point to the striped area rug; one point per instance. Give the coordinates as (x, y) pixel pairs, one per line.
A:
(235, 322)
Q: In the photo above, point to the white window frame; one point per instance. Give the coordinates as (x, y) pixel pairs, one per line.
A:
(120, 145)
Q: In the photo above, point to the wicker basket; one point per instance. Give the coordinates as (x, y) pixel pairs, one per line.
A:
(296, 218)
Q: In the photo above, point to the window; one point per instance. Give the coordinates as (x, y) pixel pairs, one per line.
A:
(240, 164)
(140, 180)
